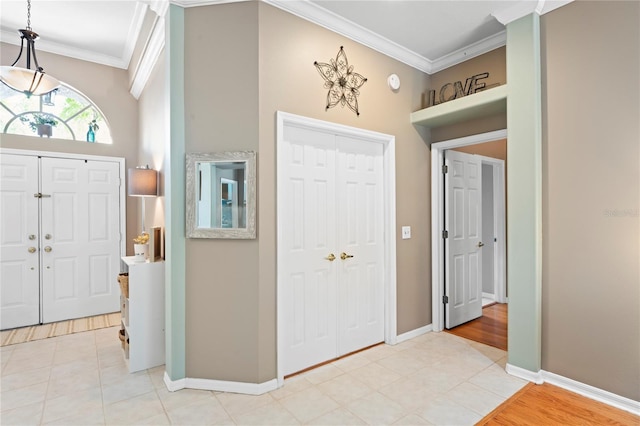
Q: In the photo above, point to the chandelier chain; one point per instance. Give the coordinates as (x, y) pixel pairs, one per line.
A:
(29, 15)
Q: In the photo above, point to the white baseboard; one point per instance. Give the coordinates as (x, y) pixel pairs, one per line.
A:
(580, 388)
(220, 385)
(414, 333)
(589, 391)
(173, 385)
(490, 296)
(527, 375)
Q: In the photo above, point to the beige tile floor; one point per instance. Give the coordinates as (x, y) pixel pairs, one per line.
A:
(82, 379)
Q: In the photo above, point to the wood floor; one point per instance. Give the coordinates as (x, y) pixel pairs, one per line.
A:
(550, 405)
(490, 328)
(537, 404)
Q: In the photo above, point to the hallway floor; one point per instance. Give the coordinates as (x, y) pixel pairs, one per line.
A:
(82, 379)
(490, 328)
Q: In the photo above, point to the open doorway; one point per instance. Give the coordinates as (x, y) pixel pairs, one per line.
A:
(484, 291)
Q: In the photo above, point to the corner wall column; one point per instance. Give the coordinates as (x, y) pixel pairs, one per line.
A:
(524, 192)
(175, 197)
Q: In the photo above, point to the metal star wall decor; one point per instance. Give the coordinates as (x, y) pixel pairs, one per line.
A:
(342, 82)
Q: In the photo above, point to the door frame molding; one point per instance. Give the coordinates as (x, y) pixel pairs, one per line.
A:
(499, 226)
(437, 216)
(121, 162)
(389, 211)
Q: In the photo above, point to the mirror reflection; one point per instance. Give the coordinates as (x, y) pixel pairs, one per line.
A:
(221, 195)
(222, 199)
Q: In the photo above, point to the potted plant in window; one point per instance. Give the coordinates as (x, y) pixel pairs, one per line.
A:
(93, 128)
(42, 124)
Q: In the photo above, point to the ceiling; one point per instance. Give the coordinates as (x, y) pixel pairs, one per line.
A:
(427, 34)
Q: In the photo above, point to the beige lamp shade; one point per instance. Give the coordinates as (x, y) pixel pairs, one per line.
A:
(29, 82)
(143, 182)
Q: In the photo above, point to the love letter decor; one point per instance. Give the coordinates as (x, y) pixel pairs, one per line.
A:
(455, 90)
(342, 82)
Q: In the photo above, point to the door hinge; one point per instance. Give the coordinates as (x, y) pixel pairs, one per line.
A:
(445, 299)
(445, 169)
(41, 195)
(445, 234)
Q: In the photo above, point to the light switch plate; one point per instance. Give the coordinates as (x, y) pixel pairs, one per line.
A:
(406, 232)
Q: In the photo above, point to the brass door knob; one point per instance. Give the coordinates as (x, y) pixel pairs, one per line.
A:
(48, 249)
(331, 257)
(345, 256)
(31, 249)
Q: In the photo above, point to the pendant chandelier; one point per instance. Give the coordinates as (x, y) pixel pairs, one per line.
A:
(25, 80)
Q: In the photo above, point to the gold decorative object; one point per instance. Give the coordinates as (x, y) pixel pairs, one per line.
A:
(142, 238)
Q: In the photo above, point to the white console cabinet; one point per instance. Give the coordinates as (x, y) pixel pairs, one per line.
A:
(143, 314)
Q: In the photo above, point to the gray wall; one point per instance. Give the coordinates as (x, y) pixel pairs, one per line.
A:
(221, 95)
(591, 181)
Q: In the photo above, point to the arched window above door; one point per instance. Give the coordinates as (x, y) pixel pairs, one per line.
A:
(64, 113)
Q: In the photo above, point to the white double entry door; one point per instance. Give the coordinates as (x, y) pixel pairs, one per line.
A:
(59, 238)
(331, 254)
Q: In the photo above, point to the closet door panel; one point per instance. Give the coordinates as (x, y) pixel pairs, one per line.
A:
(308, 235)
(359, 191)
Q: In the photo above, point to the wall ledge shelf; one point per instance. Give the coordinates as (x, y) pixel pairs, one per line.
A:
(478, 105)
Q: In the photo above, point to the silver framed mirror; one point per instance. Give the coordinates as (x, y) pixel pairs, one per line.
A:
(221, 195)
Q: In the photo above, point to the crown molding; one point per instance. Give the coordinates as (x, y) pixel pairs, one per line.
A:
(471, 51)
(329, 20)
(550, 5)
(515, 11)
(527, 7)
(160, 7)
(305, 10)
(134, 32)
(150, 57)
(194, 3)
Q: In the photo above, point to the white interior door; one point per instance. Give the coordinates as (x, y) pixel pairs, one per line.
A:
(80, 238)
(19, 265)
(309, 239)
(463, 245)
(360, 227)
(332, 303)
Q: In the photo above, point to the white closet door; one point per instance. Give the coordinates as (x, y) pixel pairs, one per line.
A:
(19, 266)
(80, 238)
(333, 209)
(309, 238)
(360, 229)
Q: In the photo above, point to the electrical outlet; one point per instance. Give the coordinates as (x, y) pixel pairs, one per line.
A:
(406, 232)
